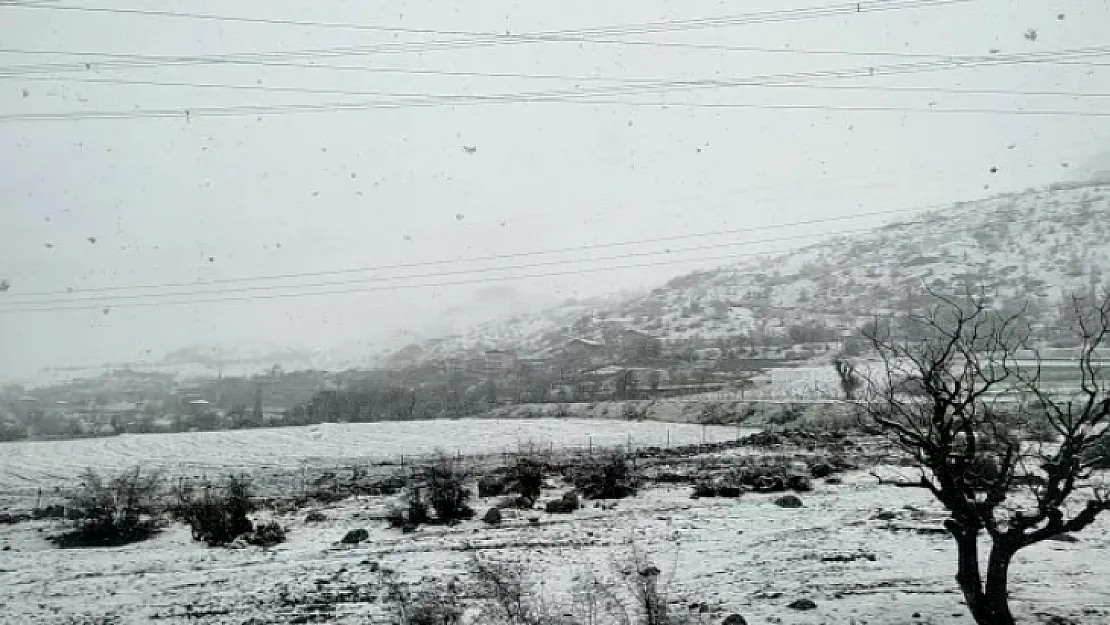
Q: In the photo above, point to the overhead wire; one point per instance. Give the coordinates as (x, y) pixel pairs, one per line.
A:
(453, 272)
(372, 284)
(289, 109)
(760, 17)
(116, 60)
(930, 209)
(351, 92)
(580, 95)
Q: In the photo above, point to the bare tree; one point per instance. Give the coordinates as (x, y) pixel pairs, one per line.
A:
(937, 396)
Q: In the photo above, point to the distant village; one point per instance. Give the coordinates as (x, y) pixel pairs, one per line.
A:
(411, 384)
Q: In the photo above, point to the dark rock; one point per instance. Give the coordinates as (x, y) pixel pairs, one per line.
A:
(885, 515)
(492, 516)
(533, 520)
(729, 491)
(354, 537)
(802, 604)
(821, 470)
(704, 489)
(703, 608)
(517, 503)
(915, 615)
(734, 619)
(565, 505)
(409, 527)
(315, 517)
(799, 483)
(788, 501)
(833, 480)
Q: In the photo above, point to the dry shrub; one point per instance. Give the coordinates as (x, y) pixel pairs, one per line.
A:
(612, 476)
(125, 509)
(421, 604)
(447, 491)
(527, 478)
(218, 515)
(266, 534)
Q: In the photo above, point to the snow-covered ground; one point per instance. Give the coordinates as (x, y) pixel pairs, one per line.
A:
(747, 556)
(27, 466)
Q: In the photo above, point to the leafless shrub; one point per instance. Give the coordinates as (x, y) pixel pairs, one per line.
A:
(447, 491)
(527, 478)
(611, 476)
(507, 593)
(217, 514)
(266, 534)
(125, 509)
(596, 603)
(421, 604)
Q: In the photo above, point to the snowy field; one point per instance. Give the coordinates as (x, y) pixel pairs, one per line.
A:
(746, 556)
(27, 466)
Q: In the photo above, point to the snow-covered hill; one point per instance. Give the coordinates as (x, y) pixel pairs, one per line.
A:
(1027, 247)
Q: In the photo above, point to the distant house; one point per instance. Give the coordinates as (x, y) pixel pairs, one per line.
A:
(626, 381)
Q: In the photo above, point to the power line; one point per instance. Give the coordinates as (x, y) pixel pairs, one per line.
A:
(52, 305)
(266, 58)
(287, 109)
(491, 257)
(760, 17)
(440, 274)
(349, 92)
(576, 95)
(120, 61)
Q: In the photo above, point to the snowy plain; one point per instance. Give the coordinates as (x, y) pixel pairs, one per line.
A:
(745, 556)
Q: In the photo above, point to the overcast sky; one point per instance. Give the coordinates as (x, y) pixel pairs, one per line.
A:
(141, 201)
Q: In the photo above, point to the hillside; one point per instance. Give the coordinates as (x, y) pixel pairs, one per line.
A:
(1033, 247)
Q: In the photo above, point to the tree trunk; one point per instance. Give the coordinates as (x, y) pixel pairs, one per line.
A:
(997, 595)
(989, 606)
(968, 576)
